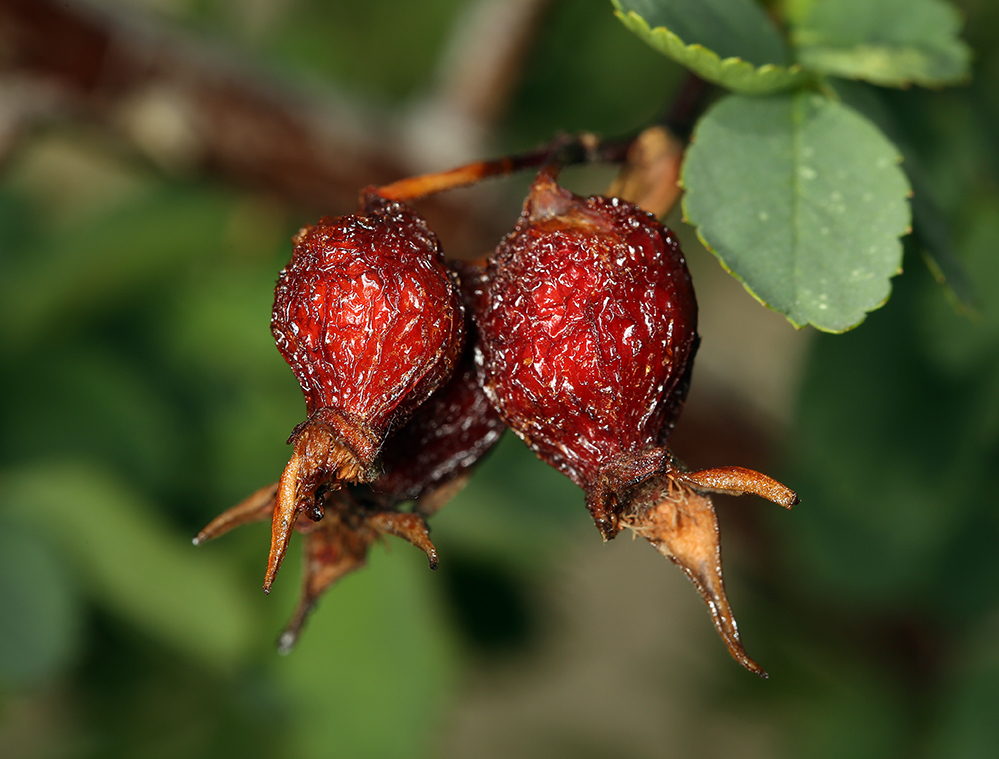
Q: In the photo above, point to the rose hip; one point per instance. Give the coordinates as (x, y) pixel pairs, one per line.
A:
(371, 323)
(589, 327)
(427, 461)
(588, 335)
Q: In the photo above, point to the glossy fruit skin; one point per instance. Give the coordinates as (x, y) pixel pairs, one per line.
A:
(587, 336)
(453, 430)
(428, 459)
(370, 321)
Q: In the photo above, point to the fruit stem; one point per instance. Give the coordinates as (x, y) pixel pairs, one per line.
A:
(564, 151)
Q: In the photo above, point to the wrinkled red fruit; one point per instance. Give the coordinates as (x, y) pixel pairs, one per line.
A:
(587, 339)
(431, 458)
(590, 326)
(371, 323)
(427, 461)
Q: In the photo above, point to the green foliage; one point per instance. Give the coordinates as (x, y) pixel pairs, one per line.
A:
(132, 563)
(817, 243)
(812, 226)
(956, 344)
(889, 42)
(728, 42)
(620, 79)
(40, 625)
(83, 269)
(379, 645)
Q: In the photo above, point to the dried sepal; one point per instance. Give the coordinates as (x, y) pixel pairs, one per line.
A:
(339, 545)
(333, 548)
(254, 508)
(737, 480)
(650, 175)
(673, 511)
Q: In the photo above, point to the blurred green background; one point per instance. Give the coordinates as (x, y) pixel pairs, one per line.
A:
(141, 394)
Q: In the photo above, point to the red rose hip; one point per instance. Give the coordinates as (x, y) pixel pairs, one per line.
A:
(587, 340)
(371, 323)
(428, 460)
(589, 327)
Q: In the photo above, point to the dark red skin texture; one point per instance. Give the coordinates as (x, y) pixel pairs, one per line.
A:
(586, 339)
(447, 436)
(457, 426)
(368, 318)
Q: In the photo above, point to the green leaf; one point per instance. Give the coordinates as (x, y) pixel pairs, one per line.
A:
(728, 42)
(932, 231)
(803, 200)
(888, 42)
(132, 562)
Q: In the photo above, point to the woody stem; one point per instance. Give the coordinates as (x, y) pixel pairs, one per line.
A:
(576, 149)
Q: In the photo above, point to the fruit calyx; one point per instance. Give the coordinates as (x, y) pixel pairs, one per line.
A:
(673, 511)
(605, 492)
(339, 545)
(353, 521)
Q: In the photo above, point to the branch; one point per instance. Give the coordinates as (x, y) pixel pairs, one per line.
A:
(220, 119)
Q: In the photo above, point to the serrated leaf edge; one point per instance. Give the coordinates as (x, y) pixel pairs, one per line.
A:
(685, 217)
(758, 299)
(789, 76)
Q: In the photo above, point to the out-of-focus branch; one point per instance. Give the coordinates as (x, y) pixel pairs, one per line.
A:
(191, 109)
(186, 109)
(477, 73)
(24, 100)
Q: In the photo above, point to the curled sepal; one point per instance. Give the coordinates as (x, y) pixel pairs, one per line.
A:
(737, 480)
(323, 456)
(254, 508)
(340, 544)
(407, 526)
(681, 524)
(334, 547)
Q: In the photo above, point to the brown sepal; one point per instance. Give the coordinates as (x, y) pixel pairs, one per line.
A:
(254, 508)
(322, 457)
(333, 548)
(670, 512)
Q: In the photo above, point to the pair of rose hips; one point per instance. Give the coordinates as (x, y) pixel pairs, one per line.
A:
(579, 334)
